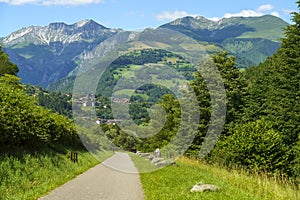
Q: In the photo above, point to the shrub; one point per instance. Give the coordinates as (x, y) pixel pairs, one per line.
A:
(24, 124)
(254, 145)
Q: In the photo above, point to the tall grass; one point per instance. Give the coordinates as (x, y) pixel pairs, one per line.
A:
(29, 176)
(175, 183)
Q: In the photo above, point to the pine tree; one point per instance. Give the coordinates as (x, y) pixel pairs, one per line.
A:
(274, 87)
(274, 90)
(289, 50)
(234, 87)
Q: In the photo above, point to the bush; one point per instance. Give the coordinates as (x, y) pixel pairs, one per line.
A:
(296, 162)
(254, 145)
(24, 124)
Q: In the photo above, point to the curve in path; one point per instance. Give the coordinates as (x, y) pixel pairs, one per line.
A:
(107, 181)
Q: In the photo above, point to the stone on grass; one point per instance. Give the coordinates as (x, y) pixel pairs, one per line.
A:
(174, 164)
(138, 152)
(162, 163)
(156, 160)
(201, 187)
(142, 154)
(151, 157)
(156, 153)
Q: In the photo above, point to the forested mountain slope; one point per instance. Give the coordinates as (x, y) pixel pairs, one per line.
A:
(48, 54)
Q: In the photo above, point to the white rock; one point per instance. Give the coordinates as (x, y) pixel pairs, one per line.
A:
(162, 163)
(200, 187)
(156, 160)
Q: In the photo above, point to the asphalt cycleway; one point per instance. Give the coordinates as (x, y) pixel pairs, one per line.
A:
(114, 179)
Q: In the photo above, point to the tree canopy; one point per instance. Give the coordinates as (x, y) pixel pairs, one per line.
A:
(271, 100)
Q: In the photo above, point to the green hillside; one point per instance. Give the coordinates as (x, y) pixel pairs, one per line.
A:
(267, 27)
(250, 39)
(252, 50)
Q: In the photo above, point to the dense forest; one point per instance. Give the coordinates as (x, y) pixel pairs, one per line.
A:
(57, 102)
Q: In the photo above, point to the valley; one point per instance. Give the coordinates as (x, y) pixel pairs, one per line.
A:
(217, 101)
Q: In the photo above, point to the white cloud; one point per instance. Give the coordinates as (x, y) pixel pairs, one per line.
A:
(17, 2)
(266, 7)
(287, 11)
(214, 19)
(260, 11)
(50, 2)
(244, 13)
(275, 13)
(173, 15)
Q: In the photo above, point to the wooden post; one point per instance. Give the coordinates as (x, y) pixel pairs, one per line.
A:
(74, 157)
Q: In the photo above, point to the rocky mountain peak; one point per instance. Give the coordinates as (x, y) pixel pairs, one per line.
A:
(55, 48)
(83, 22)
(85, 30)
(56, 25)
(200, 22)
(88, 23)
(194, 22)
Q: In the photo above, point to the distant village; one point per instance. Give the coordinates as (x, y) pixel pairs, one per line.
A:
(90, 101)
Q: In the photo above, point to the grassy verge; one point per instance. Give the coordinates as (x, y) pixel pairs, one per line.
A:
(29, 176)
(142, 164)
(175, 183)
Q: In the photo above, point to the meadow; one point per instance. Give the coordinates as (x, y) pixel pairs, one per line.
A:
(33, 175)
(175, 182)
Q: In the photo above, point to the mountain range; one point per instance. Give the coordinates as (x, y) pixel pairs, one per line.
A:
(45, 55)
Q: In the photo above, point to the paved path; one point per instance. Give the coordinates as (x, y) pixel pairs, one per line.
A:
(103, 182)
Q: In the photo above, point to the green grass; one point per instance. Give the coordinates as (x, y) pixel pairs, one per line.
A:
(175, 183)
(171, 59)
(29, 176)
(142, 164)
(123, 93)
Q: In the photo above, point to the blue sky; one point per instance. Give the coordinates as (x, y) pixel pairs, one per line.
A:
(131, 14)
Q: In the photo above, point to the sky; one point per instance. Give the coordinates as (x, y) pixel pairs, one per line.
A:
(131, 14)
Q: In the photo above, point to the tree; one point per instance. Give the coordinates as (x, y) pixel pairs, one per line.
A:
(234, 84)
(7, 67)
(273, 92)
(170, 128)
(296, 162)
(273, 89)
(234, 87)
